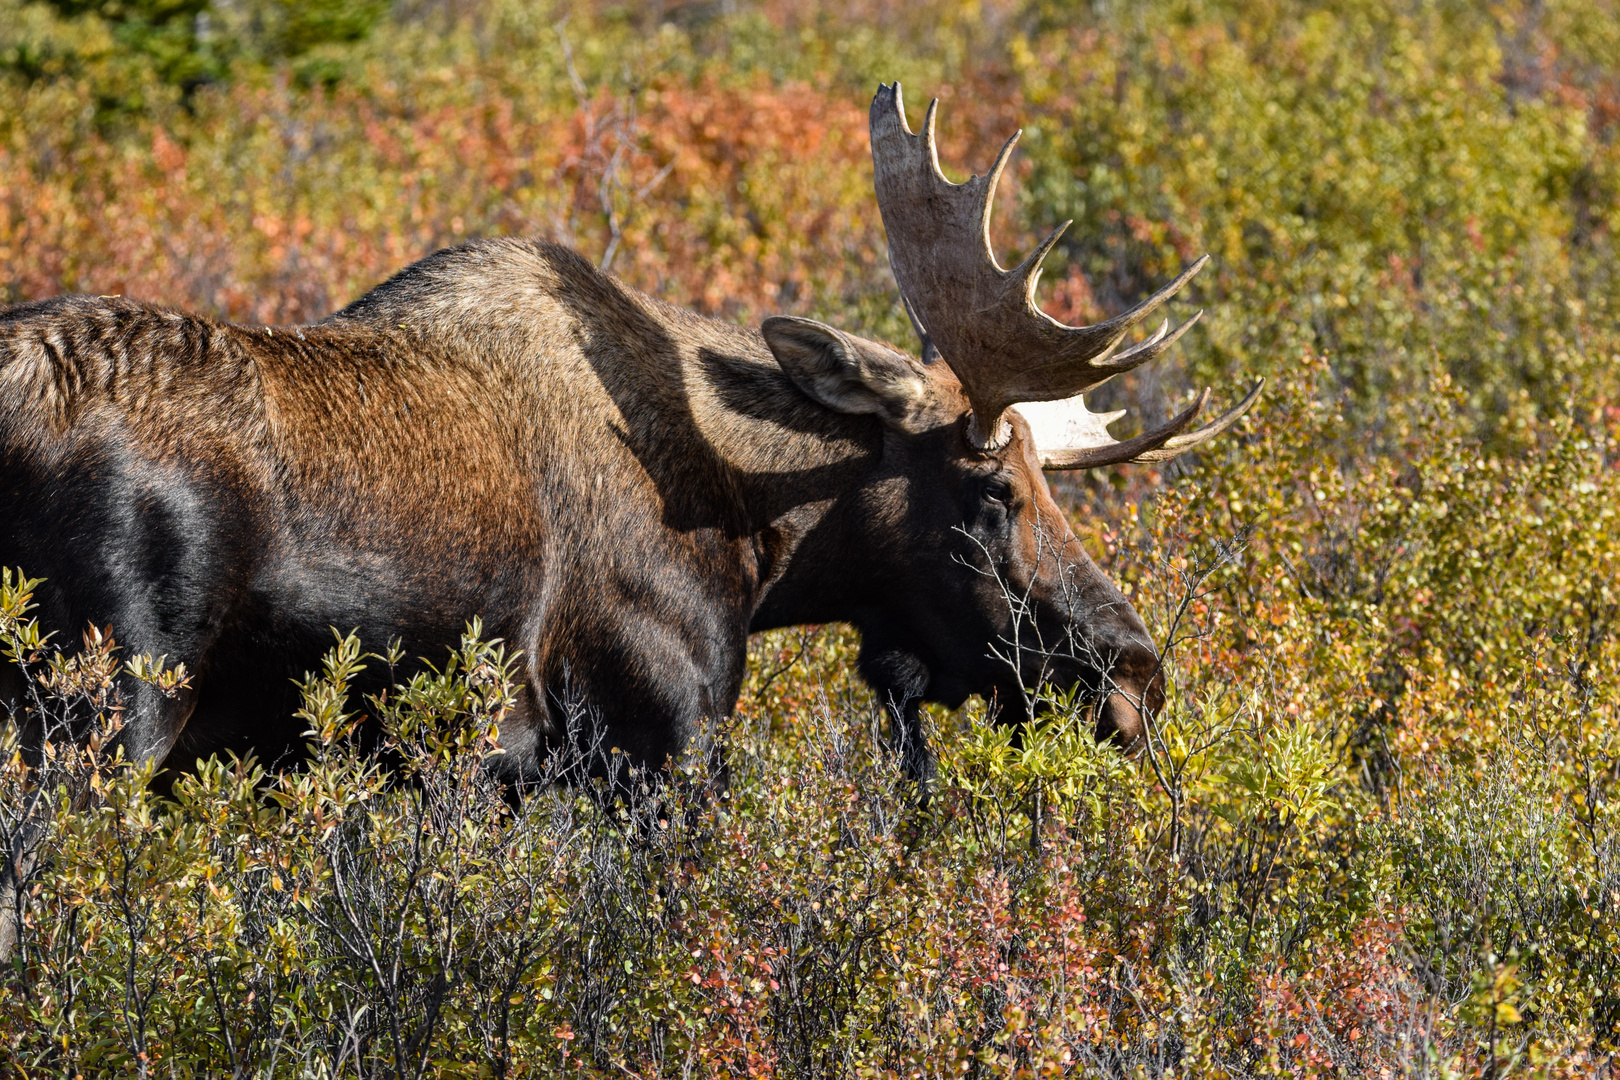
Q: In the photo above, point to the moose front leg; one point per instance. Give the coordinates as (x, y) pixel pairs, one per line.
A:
(900, 678)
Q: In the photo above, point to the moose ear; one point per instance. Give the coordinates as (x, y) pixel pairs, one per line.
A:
(843, 373)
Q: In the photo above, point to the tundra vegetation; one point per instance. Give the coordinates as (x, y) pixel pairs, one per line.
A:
(1373, 830)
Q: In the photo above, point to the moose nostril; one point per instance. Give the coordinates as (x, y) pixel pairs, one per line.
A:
(1120, 720)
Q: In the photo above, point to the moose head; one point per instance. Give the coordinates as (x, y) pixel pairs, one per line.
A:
(978, 585)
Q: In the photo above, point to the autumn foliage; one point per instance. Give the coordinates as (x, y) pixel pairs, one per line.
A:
(1375, 830)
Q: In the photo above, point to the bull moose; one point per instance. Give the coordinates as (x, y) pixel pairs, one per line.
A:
(621, 489)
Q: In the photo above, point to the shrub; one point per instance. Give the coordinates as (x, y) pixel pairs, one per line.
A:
(1374, 830)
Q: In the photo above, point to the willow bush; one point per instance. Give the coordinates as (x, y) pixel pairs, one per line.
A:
(1373, 832)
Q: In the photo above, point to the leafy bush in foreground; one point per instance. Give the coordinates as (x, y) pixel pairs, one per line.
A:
(1375, 828)
(1234, 903)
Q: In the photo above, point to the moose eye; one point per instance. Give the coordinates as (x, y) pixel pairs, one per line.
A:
(997, 489)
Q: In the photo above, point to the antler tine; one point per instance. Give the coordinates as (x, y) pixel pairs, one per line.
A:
(1109, 451)
(1056, 424)
(1180, 444)
(1148, 348)
(1122, 323)
(982, 187)
(930, 143)
(1152, 339)
(981, 319)
(987, 196)
(1103, 362)
(1029, 271)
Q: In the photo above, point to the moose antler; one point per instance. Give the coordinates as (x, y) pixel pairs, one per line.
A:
(983, 322)
(1071, 436)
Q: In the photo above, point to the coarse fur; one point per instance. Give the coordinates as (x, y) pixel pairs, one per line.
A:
(620, 489)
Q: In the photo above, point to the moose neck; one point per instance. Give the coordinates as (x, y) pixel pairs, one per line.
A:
(792, 469)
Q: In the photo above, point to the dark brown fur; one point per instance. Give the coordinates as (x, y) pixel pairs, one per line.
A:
(620, 489)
